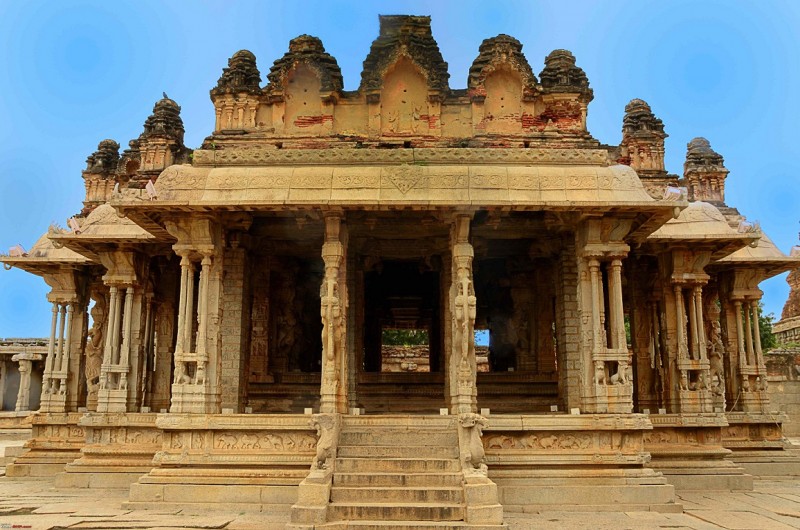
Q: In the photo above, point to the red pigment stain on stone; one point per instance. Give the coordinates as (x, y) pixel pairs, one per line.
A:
(310, 121)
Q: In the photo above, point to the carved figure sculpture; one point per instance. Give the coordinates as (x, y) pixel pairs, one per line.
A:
(200, 374)
(94, 346)
(181, 377)
(599, 373)
(331, 323)
(717, 369)
(326, 427)
(472, 452)
(621, 377)
(465, 310)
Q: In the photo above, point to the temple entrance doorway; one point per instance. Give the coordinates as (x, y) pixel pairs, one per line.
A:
(401, 364)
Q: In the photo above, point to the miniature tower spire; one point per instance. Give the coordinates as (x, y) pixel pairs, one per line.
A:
(98, 176)
(704, 172)
(642, 146)
(236, 95)
(159, 146)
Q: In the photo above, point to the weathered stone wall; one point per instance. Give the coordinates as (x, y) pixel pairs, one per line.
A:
(234, 322)
(787, 331)
(783, 366)
(417, 358)
(792, 307)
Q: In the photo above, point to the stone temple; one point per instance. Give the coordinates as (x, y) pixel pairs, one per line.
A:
(220, 315)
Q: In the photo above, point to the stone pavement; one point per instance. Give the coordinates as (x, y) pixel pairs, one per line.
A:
(774, 504)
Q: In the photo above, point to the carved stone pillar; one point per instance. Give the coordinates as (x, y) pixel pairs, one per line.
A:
(60, 382)
(617, 316)
(192, 389)
(605, 365)
(759, 357)
(51, 351)
(113, 395)
(159, 394)
(148, 351)
(95, 345)
(196, 382)
(747, 374)
(463, 304)
(715, 352)
(702, 339)
(25, 361)
(3, 379)
(689, 375)
(333, 308)
(687, 381)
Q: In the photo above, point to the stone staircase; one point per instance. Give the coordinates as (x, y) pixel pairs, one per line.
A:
(398, 472)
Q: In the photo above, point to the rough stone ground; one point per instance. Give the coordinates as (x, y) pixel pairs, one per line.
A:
(774, 504)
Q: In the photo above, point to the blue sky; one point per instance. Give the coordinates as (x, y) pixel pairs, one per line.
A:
(74, 73)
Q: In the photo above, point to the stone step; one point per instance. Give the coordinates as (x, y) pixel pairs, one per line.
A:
(396, 451)
(13, 451)
(398, 437)
(396, 465)
(397, 479)
(396, 511)
(419, 525)
(447, 495)
(398, 422)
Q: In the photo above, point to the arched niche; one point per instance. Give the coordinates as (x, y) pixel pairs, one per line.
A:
(503, 104)
(304, 113)
(404, 100)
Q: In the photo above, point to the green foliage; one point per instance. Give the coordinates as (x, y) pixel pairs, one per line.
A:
(768, 340)
(404, 337)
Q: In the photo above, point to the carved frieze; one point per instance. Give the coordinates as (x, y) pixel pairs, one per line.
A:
(277, 442)
(266, 155)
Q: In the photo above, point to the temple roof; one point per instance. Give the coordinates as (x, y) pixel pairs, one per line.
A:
(99, 229)
(765, 255)
(702, 224)
(44, 257)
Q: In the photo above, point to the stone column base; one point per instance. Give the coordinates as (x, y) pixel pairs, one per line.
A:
(189, 398)
(112, 400)
(53, 403)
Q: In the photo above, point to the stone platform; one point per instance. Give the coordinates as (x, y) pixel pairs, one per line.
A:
(774, 504)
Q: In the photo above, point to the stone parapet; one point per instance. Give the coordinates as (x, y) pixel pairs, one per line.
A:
(758, 445)
(250, 462)
(119, 449)
(687, 449)
(597, 460)
(56, 440)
